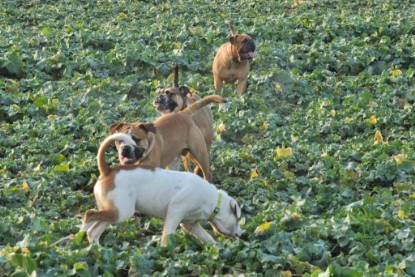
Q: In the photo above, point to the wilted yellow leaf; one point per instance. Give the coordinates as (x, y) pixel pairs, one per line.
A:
(176, 45)
(62, 168)
(15, 106)
(351, 174)
(295, 216)
(372, 120)
(401, 214)
(396, 73)
(254, 174)
(221, 128)
(264, 127)
(288, 175)
(378, 138)
(263, 227)
(25, 187)
(399, 159)
(296, 3)
(52, 117)
(372, 104)
(55, 57)
(284, 152)
(25, 250)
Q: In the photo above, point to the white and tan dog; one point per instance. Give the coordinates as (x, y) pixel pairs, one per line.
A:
(177, 197)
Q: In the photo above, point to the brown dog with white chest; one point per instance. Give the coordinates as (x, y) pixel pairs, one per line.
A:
(160, 143)
(231, 62)
(177, 98)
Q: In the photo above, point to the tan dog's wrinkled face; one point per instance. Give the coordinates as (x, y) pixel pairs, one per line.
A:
(227, 221)
(141, 133)
(171, 99)
(244, 45)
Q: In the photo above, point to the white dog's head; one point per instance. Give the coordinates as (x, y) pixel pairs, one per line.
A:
(226, 222)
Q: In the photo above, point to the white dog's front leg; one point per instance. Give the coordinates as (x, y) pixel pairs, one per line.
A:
(170, 226)
(198, 231)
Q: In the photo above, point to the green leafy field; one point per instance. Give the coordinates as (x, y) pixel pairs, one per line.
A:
(320, 150)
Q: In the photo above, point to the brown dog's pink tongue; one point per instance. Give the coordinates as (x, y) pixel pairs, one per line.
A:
(252, 54)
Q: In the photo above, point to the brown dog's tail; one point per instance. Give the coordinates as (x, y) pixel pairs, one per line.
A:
(232, 28)
(176, 76)
(103, 167)
(192, 109)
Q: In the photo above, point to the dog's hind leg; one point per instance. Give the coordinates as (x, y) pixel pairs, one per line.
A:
(198, 231)
(200, 153)
(102, 219)
(197, 169)
(96, 230)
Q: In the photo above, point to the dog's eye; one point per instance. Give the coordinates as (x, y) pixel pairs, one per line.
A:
(136, 139)
(245, 40)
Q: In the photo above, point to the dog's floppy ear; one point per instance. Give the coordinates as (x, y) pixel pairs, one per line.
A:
(184, 91)
(233, 39)
(116, 126)
(148, 127)
(236, 210)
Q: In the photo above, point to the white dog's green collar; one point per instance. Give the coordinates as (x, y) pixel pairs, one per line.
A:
(217, 207)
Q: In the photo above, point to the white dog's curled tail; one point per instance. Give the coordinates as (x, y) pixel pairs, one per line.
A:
(103, 167)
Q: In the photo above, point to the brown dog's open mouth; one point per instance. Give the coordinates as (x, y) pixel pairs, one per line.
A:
(248, 55)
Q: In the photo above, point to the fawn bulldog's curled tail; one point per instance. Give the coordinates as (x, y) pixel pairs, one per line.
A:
(193, 108)
(103, 167)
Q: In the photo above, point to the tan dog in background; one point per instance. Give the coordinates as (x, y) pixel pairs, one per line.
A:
(160, 143)
(177, 98)
(231, 62)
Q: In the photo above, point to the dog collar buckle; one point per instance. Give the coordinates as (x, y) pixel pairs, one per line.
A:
(217, 207)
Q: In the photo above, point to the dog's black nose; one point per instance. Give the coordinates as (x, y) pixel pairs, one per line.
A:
(125, 151)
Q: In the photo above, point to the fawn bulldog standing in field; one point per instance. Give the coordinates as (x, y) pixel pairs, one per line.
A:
(177, 98)
(160, 143)
(231, 62)
(177, 197)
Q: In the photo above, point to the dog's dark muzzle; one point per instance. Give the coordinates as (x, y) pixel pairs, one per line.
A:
(164, 103)
(131, 154)
(247, 52)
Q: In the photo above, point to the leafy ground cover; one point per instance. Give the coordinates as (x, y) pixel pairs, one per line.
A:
(320, 151)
